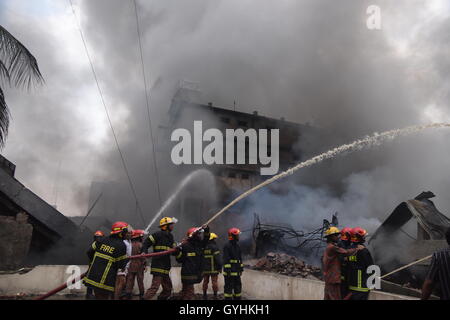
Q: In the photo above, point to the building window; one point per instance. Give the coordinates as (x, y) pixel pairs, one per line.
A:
(231, 175)
(245, 176)
(242, 123)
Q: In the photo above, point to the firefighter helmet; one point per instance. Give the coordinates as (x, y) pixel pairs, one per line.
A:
(331, 231)
(358, 234)
(137, 233)
(213, 236)
(167, 220)
(118, 227)
(346, 233)
(98, 233)
(233, 232)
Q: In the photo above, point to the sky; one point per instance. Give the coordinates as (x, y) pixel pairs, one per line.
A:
(305, 60)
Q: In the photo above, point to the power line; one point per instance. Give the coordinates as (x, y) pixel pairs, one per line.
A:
(147, 102)
(106, 111)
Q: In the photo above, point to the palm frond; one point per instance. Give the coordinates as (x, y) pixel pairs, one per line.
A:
(21, 66)
(4, 119)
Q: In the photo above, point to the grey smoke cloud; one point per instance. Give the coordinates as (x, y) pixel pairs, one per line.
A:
(311, 60)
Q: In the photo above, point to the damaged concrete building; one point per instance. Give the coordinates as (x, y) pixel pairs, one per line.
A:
(32, 231)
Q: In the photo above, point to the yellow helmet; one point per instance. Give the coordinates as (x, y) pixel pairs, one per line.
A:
(167, 220)
(213, 236)
(331, 231)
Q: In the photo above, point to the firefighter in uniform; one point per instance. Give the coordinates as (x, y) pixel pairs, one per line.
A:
(89, 291)
(212, 265)
(108, 255)
(160, 268)
(232, 266)
(191, 258)
(331, 264)
(137, 266)
(121, 279)
(345, 243)
(357, 267)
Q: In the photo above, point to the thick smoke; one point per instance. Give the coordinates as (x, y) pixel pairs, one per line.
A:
(307, 61)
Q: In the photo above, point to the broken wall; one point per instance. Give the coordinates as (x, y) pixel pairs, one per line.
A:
(15, 239)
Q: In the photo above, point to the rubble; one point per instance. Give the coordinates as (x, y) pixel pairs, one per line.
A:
(287, 265)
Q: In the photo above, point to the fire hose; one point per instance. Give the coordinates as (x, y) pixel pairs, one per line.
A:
(406, 266)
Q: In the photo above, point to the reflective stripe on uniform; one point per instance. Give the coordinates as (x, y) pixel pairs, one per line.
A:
(359, 289)
(227, 266)
(99, 285)
(158, 270)
(228, 295)
(191, 254)
(162, 248)
(152, 239)
(179, 255)
(94, 246)
(207, 251)
(232, 274)
(234, 261)
(237, 294)
(105, 273)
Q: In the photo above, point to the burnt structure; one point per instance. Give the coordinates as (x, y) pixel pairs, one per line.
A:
(32, 231)
(414, 230)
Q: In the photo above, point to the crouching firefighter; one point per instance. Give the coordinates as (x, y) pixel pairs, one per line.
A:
(160, 268)
(191, 258)
(232, 266)
(331, 264)
(108, 255)
(212, 266)
(357, 267)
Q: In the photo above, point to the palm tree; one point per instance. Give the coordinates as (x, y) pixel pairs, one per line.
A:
(19, 68)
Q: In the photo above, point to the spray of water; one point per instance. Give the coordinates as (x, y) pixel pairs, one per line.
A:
(369, 141)
(168, 202)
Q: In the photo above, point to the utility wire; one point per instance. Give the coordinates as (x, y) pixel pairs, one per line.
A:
(138, 29)
(106, 111)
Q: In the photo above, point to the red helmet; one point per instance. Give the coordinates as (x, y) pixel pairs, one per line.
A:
(137, 233)
(191, 231)
(346, 233)
(98, 233)
(358, 233)
(233, 232)
(118, 227)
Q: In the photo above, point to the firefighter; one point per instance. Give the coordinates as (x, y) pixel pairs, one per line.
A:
(97, 236)
(345, 243)
(121, 278)
(357, 267)
(160, 268)
(232, 266)
(212, 266)
(137, 266)
(108, 255)
(331, 264)
(191, 259)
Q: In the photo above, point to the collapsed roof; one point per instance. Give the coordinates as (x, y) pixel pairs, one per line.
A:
(433, 223)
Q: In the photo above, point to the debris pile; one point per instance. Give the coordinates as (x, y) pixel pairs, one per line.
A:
(287, 265)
